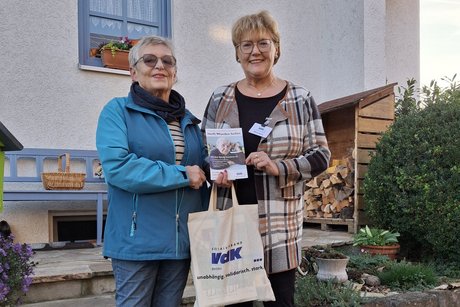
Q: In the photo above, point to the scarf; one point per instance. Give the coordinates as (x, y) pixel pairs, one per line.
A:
(169, 111)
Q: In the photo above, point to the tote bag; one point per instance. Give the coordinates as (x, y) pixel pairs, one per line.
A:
(227, 255)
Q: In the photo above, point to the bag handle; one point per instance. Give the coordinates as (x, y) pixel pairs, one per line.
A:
(67, 162)
(213, 199)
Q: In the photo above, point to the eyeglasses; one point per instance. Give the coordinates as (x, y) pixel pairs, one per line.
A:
(263, 46)
(151, 60)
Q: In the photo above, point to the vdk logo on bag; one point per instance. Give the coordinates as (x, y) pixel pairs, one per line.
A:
(230, 255)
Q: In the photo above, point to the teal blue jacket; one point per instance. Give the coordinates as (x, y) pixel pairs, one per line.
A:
(148, 194)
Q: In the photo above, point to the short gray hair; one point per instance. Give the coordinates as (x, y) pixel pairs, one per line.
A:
(146, 41)
(221, 141)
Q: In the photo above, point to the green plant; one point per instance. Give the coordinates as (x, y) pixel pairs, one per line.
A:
(413, 180)
(406, 102)
(323, 252)
(15, 270)
(309, 293)
(367, 263)
(122, 44)
(375, 236)
(408, 277)
(446, 269)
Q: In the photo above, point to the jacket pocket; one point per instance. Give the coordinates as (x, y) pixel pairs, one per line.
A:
(294, 191)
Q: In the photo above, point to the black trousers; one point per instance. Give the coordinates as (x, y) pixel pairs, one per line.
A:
(283, 285)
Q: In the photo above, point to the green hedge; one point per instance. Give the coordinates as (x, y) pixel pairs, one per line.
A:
(413, 181)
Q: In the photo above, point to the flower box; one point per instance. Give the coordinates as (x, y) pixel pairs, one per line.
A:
(117, 60)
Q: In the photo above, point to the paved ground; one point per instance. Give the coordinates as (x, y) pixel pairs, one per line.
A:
(106, 300)
(56, 265)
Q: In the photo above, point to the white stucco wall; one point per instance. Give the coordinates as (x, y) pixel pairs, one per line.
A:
(46, 100)
(402, 41)
(374, 44)
(334, 48)
(321, 42)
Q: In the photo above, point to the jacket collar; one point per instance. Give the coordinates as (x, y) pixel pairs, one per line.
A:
(189, 118)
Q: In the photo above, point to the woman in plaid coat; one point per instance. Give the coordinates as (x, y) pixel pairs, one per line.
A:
(285, 146)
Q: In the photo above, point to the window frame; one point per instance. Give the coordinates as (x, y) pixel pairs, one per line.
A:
(84, 14)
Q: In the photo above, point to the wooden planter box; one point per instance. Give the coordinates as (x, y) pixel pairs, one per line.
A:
(353, 124)
(119, 60)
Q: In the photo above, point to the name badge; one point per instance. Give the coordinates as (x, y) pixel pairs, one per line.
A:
(260, 130)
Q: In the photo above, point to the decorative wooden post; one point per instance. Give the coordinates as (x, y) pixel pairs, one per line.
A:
(7, 143)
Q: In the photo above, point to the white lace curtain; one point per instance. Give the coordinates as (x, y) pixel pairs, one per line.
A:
(145, 10)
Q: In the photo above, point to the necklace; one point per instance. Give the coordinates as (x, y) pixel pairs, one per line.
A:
(260, 92)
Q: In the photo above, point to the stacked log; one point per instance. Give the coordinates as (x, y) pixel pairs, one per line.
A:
(330, 194)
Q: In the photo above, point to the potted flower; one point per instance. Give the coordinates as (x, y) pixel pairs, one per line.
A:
(15, 269)
(114, 54)
(376, 241)
(330, 264)
(96, 52)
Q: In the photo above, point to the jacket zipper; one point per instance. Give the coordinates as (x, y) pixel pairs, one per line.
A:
(134, 217)
(182, 190)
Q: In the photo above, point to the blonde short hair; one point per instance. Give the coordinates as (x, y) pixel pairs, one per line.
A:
(256, 24)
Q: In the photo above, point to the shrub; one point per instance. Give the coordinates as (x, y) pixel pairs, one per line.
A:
(413, 180)
(310, 292)
(405, 276)
(446, 269)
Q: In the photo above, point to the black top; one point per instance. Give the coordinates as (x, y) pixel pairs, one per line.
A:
(252, 110)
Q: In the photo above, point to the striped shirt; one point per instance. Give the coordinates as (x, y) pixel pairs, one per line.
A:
(178, 139)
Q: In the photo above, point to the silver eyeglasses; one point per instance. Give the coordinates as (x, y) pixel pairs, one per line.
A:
(247, 46)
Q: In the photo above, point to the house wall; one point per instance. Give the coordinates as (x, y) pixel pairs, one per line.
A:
(334, 48)
(402, 47)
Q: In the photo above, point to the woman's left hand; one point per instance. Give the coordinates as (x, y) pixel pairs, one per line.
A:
(262, 162)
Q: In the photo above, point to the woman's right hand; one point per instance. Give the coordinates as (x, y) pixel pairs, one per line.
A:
(222, 180)
(196, 176)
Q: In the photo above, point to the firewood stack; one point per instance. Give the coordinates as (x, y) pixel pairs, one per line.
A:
(330, 194)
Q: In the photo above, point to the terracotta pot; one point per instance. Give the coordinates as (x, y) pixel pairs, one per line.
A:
(93, 52)
(388, 250)
(332, 269)
(119, 60)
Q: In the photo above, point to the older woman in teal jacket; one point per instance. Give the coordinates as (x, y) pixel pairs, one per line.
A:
(152, 155)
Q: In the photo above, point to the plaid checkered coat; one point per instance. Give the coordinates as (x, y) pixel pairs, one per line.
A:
(298, 145)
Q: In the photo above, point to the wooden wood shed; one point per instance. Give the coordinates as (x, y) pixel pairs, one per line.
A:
(353, 126)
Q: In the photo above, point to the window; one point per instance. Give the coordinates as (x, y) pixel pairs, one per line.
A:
(100, 21)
